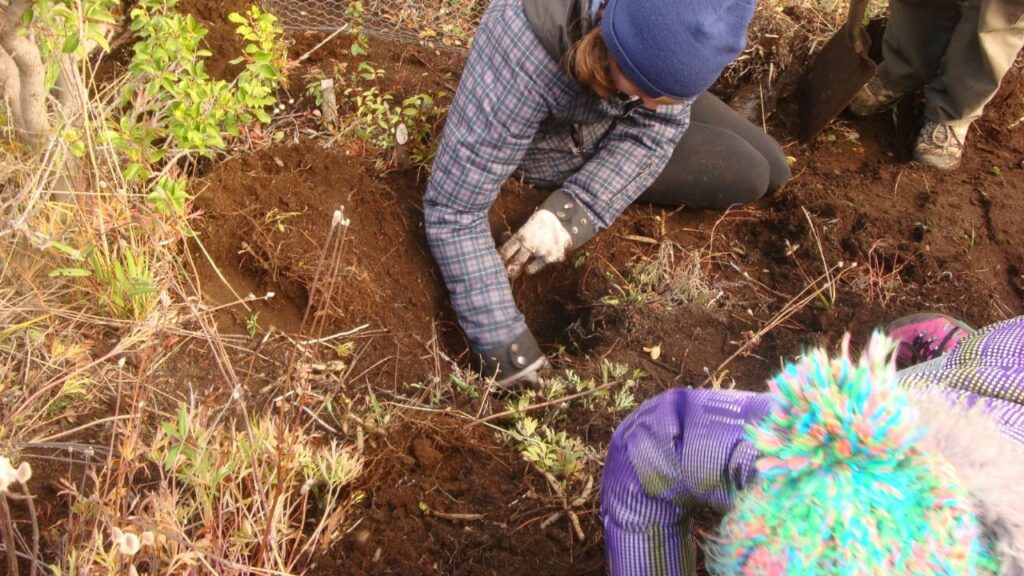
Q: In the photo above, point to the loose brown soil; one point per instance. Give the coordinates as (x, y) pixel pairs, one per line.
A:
(922, 240)
(445, 468)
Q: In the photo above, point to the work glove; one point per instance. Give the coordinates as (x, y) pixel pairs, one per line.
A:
(560, 225)
(541, 241)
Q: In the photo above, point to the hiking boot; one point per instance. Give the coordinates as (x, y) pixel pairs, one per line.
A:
(515, 365)
(925, 336)
(940, 145)
(873, 98)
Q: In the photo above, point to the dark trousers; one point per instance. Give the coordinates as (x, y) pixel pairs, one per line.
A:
(958, 50)
(721, 160)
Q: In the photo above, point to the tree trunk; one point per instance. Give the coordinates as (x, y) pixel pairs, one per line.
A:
(28, 109)
(10, 84)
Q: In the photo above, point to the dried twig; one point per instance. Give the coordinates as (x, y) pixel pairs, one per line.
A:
(792, 307)
(343, 28)
(453, 516)
(821, 252)
(7, 530)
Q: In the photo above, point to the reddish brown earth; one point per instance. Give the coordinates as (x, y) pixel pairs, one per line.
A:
(455, 469)
(942, 241)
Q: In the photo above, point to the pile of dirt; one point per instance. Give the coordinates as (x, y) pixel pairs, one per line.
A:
(444, 498)
(266, 221)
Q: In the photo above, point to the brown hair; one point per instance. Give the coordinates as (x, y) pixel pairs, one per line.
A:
(589, 63)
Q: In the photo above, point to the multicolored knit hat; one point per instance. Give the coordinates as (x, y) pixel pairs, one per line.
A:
(846, 486)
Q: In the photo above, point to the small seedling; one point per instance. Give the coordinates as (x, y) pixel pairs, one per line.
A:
(276, 219)
(345, 349)
(624, 400)
(252, 324)
(379, 417)
(921, 230)
(464, 385)
(354, 14)
(314, 90)
(718, 379)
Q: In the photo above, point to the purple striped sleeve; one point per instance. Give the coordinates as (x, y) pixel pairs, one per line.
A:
(682, 449)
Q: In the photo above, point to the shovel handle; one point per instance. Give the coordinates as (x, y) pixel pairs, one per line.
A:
(855, 33)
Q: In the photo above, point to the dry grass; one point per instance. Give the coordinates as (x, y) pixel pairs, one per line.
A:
(79, 356)
(671, 277)
(880, 279)
(96, 300)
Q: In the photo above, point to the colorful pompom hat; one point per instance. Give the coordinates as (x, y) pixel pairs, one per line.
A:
(846, 485)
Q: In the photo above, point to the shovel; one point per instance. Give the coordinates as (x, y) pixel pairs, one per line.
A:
(839, 71)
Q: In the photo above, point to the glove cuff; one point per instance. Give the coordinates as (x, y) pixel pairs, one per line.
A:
(574, 218)
(514, 363)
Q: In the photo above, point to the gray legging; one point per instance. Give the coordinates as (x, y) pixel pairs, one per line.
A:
(721, 160)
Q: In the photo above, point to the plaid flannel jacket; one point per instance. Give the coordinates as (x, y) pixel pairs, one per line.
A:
(516, 108)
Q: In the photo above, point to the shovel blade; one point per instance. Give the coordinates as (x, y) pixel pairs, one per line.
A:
(831, 82)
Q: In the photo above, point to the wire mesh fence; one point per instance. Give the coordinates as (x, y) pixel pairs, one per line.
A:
(440, 23)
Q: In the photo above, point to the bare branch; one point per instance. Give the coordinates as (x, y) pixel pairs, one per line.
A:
(70, 91)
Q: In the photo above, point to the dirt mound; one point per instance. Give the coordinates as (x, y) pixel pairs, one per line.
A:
(266, 220)
(443, 498)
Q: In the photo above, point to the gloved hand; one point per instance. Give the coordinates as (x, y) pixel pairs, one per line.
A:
(541, 241)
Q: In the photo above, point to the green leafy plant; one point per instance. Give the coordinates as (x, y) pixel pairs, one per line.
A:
(171, 99)
(168, 108)
(314, 89)
(354, 13)
(71, 28)
(168, 196)
(567, 463)
(121, 275)
(376, 115)
(124, 274)
(421, 115)
(552, 451)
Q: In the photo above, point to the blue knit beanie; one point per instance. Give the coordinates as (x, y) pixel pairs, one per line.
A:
(675, 48)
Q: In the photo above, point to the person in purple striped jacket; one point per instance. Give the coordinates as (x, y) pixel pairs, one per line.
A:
(905, 463)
